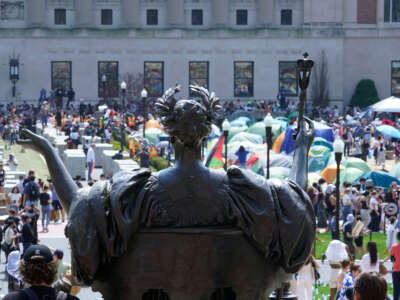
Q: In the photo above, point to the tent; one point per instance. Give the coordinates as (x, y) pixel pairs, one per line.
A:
(152, 134)
(319, 141)
(395, 171)
(239, 123)
(391, 104)
(234, 131)
(318, 163)
(350, 175)
(380, 178)
(276, 147)
(319, 150)
(245, 136)
(321, 130)
(329, 173)
(153, 124)
(279, 173)
(354, 162)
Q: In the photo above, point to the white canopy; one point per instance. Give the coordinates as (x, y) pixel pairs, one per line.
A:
(391, 104)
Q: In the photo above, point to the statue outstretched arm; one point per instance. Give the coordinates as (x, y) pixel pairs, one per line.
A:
(304, 139)
(65, 187)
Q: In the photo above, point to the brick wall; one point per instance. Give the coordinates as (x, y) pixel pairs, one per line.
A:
(366, 12)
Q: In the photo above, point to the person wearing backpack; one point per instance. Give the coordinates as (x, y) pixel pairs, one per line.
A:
(38, 269)
(31, 192)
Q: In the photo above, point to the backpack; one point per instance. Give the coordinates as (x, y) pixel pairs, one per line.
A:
(33, 191)
(32, 295)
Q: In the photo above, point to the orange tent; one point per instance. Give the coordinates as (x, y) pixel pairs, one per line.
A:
(276, 147)
(153, 124)
(329, 173)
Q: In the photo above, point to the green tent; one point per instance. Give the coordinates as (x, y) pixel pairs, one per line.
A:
(318, 163)
(235, 130)
(350, 175)
(319, 151)
(319, 141)
(259, 129)
(357, 163)
(152, 134)
(245, 136)
(279, 173)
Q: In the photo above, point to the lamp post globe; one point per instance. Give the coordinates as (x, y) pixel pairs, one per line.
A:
(104, 80)
(338, 148)
(226, 127)
(144, 95)
(268, 121)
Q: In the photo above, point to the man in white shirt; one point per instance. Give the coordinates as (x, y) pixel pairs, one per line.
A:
(90, 159)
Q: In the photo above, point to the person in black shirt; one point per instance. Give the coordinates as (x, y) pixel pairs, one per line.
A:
(347, 233)
(27, 236)
(39, 270)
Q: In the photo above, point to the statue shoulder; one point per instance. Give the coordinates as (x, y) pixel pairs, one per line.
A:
(123, 181)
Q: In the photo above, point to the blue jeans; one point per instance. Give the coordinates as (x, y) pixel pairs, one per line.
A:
(46, 210)
(90, 170)
(396, 285)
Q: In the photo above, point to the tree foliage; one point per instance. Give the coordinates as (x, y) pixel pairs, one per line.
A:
(365, 94)
(320, 83)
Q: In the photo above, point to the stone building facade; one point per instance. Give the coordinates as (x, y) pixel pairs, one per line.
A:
(241, 49)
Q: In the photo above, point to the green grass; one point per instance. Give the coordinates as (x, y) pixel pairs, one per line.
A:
(379, 238)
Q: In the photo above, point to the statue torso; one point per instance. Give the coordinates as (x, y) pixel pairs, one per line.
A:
(184, 200)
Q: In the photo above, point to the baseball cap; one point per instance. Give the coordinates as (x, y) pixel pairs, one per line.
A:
(59, 253)
(38, 254)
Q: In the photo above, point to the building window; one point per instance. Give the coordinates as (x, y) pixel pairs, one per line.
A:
(198, 74)
(110, 87)
(197, 17)
(60, 16)
(154, 78)
(288, 78)
(396, 78)
(241, 17)
(243, 82)
(286, 17)
(152, 17)
(61, 75)
(106, 17)
(392, 11)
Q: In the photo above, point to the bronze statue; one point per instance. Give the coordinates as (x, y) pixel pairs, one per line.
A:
(187, 232)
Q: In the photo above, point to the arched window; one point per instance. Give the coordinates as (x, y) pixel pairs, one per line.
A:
(154, 294)
(224, 294)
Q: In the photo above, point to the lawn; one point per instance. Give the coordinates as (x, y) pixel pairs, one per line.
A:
(379, 238)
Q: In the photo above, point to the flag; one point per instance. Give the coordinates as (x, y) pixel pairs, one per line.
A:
(215, 159)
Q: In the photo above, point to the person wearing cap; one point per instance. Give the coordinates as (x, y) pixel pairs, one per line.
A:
(38, 269)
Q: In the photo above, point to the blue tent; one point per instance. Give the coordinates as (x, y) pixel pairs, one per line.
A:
(321, 130)
(380, 178)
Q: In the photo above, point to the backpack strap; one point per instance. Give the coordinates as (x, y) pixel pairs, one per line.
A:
(31, 294)
(62, 296)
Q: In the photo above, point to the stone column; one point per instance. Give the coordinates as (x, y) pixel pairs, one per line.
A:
(220, 10)
(37, 12)
(350, 11)
(307, 11)
(84, 13)
(380, 12)
(265, 12)
(130, 13)
(176, 12)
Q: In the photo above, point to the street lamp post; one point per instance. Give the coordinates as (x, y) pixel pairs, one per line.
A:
(338, 147)
(226, 126)
(144, 98)
(122, 128)
(268, 130)
(14, 72)
(104, 80)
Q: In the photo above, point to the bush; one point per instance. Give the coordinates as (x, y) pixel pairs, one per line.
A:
(365, 94)
(158, 163)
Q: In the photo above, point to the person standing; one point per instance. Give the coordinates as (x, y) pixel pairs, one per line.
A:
(57, 208)
(348, 281)
(45, 203)
(335, 253)
(395, 258)
(28, 238)
(31, 192)
(90, 159)
(144, 157)
(305, 279)
(242, 156)
(370, 261)
(374, 213)
(390, 234)
(347, 233)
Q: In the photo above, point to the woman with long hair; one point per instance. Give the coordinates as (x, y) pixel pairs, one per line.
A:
(370, 261)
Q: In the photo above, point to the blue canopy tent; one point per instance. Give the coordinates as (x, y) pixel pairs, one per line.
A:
(321, 130)
(380, 178)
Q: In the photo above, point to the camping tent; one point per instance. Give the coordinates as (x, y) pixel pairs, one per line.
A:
(391, 104)
(380, 178)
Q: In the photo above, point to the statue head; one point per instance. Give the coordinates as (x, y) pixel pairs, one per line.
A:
(188, 121)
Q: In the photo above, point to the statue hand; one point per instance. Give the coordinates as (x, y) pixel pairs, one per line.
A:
(32, 141)
(305, 134)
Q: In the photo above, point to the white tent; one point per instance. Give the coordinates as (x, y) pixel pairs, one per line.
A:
(391, 104)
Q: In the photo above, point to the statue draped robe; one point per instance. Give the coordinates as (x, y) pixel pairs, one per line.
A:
(276, 216)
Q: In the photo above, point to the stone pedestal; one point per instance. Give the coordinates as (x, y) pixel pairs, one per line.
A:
(99, 156)
(75, 162)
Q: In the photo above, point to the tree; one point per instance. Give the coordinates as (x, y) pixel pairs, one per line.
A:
(320, 84)
(365, 94)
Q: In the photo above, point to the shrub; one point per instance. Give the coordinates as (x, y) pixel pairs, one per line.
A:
(158, 163)
(365, 94)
